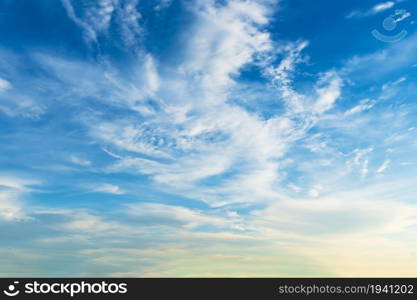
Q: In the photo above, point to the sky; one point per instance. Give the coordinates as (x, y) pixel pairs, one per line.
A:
(208, 138)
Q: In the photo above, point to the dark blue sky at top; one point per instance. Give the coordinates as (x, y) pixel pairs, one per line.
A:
(43, 24)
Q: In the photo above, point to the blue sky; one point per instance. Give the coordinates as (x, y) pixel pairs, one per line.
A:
(208, 138)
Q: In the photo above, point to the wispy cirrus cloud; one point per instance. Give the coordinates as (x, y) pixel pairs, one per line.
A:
(96, 19)
(4, 85)
(12, 189)
(376, 9)
(109, 189)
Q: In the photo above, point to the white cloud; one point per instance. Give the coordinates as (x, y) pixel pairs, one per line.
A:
(329, 93)
(95, 19)
(376, 9)
(86, 222)
(195, 134)
(384, 166)
(382, 6)
(151, 75)
(225, 38)
(162, 4)
(4, 85)
(364, 105)
(109, 189)
(361, 160)
(206, 135)
(169, 213)
(400, 15)
(336, 215)
(17, 183)
(199, 133)
(78, 160)
(129, 137)
(294, 187)
(128, 19)
(86, 225)
(111, 153)
(12, 189)
(89, 30)
(314, 193)
(10, 207)
(20, 105)
(282, 75)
